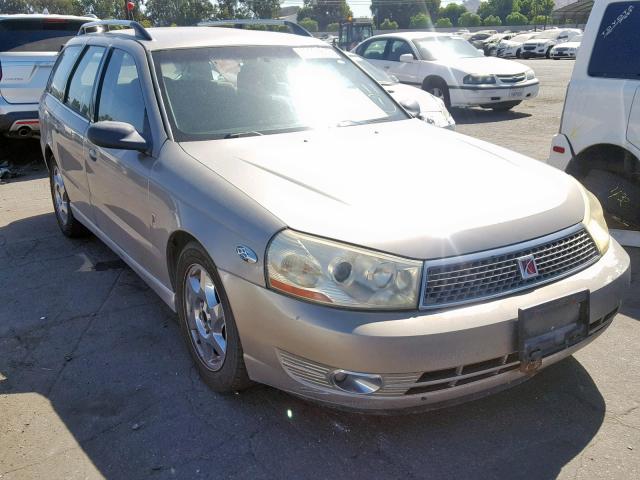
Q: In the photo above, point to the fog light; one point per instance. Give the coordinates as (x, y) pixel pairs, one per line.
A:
(360, 383)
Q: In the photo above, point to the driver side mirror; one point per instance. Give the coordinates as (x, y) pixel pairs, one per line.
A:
(412, 107)
(120, 135)
(406, 58)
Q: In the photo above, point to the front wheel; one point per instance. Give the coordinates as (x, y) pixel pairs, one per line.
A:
(518, 54)
(207, 323)
(548, 54)
(439, 89)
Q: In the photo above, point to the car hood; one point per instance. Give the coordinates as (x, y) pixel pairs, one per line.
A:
(541, 41)
(568, 45)
(485, 66)
(401, 187)
(428, 103)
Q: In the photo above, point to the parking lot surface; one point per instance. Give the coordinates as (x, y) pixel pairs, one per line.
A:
(96, 382)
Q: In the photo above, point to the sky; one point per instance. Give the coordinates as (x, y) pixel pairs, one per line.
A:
(360, 8)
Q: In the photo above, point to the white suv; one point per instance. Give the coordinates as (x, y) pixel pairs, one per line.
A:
(599, 138)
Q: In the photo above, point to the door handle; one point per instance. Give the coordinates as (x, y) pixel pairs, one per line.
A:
(93, 155)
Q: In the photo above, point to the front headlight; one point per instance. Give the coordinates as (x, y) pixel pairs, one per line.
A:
(333, 273)
(475, 79)
(595, 222)
(530, 74)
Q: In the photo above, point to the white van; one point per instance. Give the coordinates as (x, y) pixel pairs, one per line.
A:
(599, 138)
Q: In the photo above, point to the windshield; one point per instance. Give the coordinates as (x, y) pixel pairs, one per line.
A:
(226, 92)
(523, 37)
(549, 34)
(442, 48)
(37, 35)
(379, 75)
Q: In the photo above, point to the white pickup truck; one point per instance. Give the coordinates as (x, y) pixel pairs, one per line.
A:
(29, 46)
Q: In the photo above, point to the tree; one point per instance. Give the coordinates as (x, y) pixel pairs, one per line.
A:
(309, 24)
(516, 18)
(420, 20)
(469, 19)
(540, 20)
(492, 20)
(485, 10)
(325, 12)
(262, 8)
(388, 25)
(14, 6)
(180, 12)
(401, 11)
(500, 8)
(452, 12)
(444, 22)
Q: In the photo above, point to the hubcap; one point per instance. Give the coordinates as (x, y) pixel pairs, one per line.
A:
(60, 197)
(437, 92)
(205, 317)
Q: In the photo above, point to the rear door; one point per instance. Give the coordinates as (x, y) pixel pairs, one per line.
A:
(28, 50)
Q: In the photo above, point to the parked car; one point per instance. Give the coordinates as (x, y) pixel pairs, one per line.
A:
(450, 68)
(490, 45)
(567, 49)
(512, 48)
(477, 38)
(599, 137)
(29, 45)
(327, 244)
(541, 44)
(432, 109)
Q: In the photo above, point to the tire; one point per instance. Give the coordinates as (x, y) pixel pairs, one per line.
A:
(438, 88)
(222, 373)
(556, 58)
(620, 198)
(502, 106)
(518, 54)
(548, 54)
(68, 224)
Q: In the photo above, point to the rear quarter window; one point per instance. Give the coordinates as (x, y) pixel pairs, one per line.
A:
(616, 51)
(37, 35)
(61, 70)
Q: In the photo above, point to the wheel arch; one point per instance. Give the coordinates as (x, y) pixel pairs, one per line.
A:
(433, 78)
(605, 156)
(175, 244)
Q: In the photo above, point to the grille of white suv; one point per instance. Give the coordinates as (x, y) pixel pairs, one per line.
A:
(520, 77)
(460, 280)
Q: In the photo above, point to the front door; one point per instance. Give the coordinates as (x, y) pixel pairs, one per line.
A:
(407, 72)
(118, 179)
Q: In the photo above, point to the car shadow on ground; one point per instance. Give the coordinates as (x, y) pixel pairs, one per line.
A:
(83, 332)
(465, 116)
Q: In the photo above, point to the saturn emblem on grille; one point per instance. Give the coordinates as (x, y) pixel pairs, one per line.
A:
(528, 267)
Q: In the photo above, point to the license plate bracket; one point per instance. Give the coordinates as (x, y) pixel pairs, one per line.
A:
(550, 327)
(516, 92)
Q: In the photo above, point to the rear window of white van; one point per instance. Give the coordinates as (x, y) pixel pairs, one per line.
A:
(616, 52)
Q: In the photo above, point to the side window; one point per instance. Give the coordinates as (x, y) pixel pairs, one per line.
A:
(61, 70)
(398, 47)
(374, 50)
(121, 97)
(616, 51)
(83, 79)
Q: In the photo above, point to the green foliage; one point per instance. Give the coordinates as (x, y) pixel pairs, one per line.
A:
(166, 12)
(262, 8)
(67, 7)
(452, 12)
(388, 25)
(492, 20)
(309, 24)
(325, 12)
(333, 27)
(540, 20)
(500, 8)
(420, 20)
(516, 18)
(444, 22)
(146, 23)
(401, 11)
(469, 19)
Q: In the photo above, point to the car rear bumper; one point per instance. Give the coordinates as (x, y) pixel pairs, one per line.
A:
(296, 346)
(483, 95)
(15, 116)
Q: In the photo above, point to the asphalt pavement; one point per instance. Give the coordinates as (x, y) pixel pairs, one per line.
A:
(95, 381)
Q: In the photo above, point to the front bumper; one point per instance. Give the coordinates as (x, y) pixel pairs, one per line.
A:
(537, 52)
(563, 54)
(14, 116)
(473, 95)
(291, 345)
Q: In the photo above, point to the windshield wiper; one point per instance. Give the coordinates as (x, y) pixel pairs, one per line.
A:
(243, 134)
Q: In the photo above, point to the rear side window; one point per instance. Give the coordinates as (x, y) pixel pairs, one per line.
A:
(37, 35)
(63, 66)
(121, 97)
(83, 79)
(616, 52)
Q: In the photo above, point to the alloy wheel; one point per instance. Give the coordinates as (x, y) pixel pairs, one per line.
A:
(61, 199)
(205, 317)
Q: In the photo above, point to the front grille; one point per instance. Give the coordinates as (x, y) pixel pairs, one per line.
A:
(529, 47)
(561, 50)
(512, 78)
(455, 281)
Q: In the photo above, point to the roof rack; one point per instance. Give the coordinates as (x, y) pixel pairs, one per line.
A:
(241, 22)
(102, 26)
